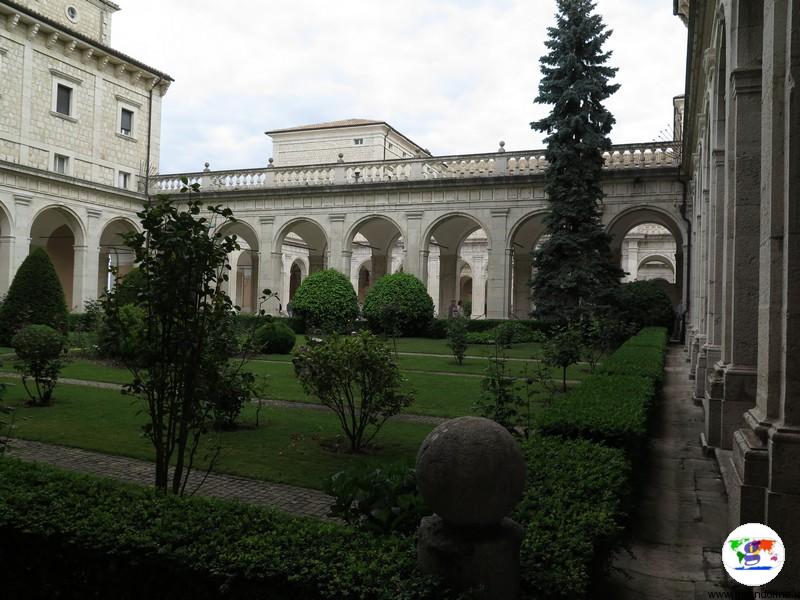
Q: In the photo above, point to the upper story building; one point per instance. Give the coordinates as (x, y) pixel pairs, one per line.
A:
(69, 103)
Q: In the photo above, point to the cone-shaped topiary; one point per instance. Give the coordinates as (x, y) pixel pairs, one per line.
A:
(34, 298)
(398, 304)
(326, 301)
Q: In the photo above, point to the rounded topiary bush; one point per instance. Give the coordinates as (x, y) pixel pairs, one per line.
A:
(39, 349)
(274, 337)
(325, 301)
(399, 301)
(645, 304)
(34, 298)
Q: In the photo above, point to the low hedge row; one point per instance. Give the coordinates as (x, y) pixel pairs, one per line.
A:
(573, 513)
(613, 405)
(67, 536)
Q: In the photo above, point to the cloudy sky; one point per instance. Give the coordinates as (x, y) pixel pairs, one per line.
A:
(456, 76)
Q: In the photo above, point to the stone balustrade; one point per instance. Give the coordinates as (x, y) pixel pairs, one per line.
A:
(495, 164)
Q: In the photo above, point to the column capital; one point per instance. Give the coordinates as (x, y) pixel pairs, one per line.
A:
(746, 80)
(23, 199)
(93, 213)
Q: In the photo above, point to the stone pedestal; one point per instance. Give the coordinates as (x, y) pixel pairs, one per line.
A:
(740, 397)
(700, 371)
(712, 404)
(751, 467)
(482, 559)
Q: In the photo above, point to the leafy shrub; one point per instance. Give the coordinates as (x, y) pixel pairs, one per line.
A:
(505, 333)
(563, 349)
(40, 350)
(130, 286)
(409, 297)
(228, 394)
(34, 298)
(457, 338)
(382, 500)
(101, 539)
(358, 378)
(123, 337)
(644, 304)
(326, 301)
(274, 337)
(573, 511)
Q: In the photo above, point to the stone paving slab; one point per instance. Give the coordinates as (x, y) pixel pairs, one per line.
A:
(680, 523)
(285, 498)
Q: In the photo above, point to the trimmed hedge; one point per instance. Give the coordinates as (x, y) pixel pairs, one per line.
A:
(87, 537)
(274, 337)
(326, 301)
(407, 298)
(573, 511)
(613, 406)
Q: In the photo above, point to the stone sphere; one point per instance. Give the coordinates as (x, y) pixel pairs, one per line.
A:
(470, 471)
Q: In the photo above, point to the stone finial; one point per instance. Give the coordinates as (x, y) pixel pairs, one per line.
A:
(207, 168)
(502, 147)
(341, 157)
(470, 471)
(270, 162)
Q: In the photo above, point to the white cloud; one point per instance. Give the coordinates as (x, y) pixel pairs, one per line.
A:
(454, 75)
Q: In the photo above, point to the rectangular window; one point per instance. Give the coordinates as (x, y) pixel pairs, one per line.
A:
(126, 122)
(60, 164)
(124, 180)
(63, 99)
(358, 141)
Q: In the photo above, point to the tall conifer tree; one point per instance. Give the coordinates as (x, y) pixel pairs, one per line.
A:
(573, 268)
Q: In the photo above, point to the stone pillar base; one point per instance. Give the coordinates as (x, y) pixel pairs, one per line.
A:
(739, 397)
(701, 374)
(751, 466)
(712, 405)
(468, 558)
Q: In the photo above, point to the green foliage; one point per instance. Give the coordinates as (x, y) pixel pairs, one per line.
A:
(326, 301)
(40, 352)
(186, 339)
(228, 393)
(409, 298)
(573, 511)
(128, 289)
(380, 500)
(100, 539)
(34, 298)
(612, 406)
(358, 378)
(122, 338)
(274, 337)
(573, 267)
(506, 333)
(457, 338)
(7, 415)
(601, 336)
(563, 349)
(643, 304)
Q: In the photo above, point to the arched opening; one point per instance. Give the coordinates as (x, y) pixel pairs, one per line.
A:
(114, 255)
(524, 238)
(465, 289)
(61, 235)
(301, 242)
(243, 285)
(648, 245)
(7, 240)
(376, 240)
(451, 242)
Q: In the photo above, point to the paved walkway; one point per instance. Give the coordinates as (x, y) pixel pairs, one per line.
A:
(677, 532)
(286, 498)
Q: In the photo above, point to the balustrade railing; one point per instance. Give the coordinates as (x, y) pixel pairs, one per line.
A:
(496, 164)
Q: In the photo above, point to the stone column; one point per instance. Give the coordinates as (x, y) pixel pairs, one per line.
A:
(414, 262)
(269, 263)
(498, 269)
(80, 280)
(448, 281)
(336, 251)
(7, 243)
(22, 227)
(522, 291)
(742, 275)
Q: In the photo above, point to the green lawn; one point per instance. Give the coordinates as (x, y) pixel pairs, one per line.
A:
(285, 448)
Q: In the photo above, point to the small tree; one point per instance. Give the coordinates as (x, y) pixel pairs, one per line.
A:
(457, 338)
(35, 297)
(326, 301)
(40, 352)
(412, 307)
(500, 400)
(186, 338)
(573, 263)
(563, 349)
(357, 377)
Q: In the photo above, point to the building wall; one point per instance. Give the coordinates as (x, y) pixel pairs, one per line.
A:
(93, 17)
